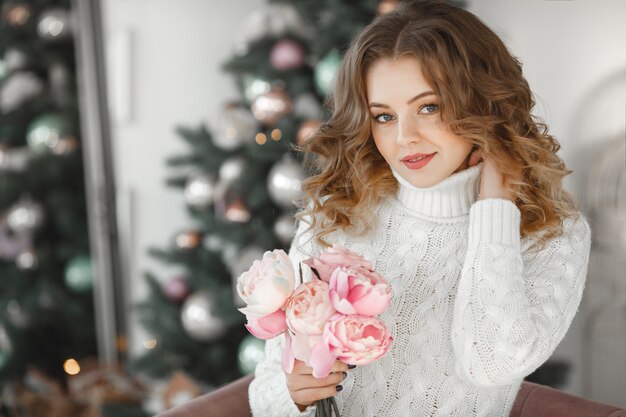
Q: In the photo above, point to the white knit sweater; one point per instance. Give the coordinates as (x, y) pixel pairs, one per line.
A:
(472, 311)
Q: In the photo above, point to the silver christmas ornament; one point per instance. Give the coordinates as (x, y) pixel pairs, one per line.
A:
(284, 182)
(17, 89)
(27, 260)
(245, 259)
(16, 314)
(15, 59)
(229, 253)
(199, 318)
(213, 242)
(307, 106)
(274, 20)
(54, 24)
(232, 169)
(236, 127)
(14, 159)
(25, 216)
(200, 190)
(285, 228)
(268, 108)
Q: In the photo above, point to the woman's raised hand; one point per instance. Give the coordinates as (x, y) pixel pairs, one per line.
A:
(305, 389)
(492, 183)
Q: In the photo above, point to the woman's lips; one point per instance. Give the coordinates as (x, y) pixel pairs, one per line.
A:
(411, 163)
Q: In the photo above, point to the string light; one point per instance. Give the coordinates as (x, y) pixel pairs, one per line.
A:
(71, 367)
(261, 138)
(277, 134)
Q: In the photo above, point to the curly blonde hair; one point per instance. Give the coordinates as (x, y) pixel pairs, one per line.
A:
(484, 98)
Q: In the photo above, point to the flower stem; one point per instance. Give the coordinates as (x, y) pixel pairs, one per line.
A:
(325, 408)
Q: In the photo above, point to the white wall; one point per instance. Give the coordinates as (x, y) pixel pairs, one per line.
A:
(171, 77)
(574, 59)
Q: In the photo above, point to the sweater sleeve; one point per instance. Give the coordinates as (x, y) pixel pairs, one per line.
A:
(511, 313)
(268, 394)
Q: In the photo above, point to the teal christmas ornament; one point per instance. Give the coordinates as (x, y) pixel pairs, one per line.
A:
(79, 274)
(251, 352)
(326, 72)
(44, 133)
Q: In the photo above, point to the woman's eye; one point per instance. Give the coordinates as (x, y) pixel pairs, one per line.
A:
(432, 106)
(383, 117)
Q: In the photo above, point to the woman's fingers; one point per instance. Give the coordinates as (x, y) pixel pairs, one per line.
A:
(305, 389)
(475, 158)
(309, 381)
(310, 395)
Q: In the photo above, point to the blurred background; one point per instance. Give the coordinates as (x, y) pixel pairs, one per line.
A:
(146, 161)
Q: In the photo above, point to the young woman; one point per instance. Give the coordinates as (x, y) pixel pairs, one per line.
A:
(433, 167)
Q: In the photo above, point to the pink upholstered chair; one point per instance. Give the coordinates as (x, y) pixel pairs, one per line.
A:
(533, 400)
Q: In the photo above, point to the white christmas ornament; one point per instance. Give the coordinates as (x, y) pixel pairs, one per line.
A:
(232, 169)
(307, 106)
(15, 59)
(54, 24)
(200, 190)
(14, 160)
(284, 182)
(17, 89)
(237, 126)
(25, 216)
(274, 20)
(199, 319)
(285, 228)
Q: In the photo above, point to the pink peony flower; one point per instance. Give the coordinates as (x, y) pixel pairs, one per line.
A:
(309, 308)
(267, 285)
(334, 257)
(359, 291)
(268, 326)
(356, 340)
(311, 350)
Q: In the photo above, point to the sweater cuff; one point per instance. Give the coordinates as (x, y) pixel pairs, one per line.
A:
(494, 220)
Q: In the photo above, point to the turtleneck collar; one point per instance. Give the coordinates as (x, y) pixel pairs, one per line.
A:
(449, 198)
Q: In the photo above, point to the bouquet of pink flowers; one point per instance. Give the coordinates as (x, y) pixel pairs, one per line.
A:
(325, 319)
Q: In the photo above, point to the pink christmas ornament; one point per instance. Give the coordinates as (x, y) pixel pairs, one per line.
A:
(176, 289)
(286, 55)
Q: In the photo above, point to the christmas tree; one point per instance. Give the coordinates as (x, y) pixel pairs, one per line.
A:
(46, 303)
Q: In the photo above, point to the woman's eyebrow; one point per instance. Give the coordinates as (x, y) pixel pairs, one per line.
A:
(413, 100)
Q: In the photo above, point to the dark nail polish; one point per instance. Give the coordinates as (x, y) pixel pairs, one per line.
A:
(339, 388)
(351, 366)
(345, 375)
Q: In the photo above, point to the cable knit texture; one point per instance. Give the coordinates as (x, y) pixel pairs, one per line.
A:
(473, 311)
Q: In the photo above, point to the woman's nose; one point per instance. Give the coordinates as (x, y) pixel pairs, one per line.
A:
(407, 132)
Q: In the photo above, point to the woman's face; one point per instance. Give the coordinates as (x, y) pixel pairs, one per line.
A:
(406, 122)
